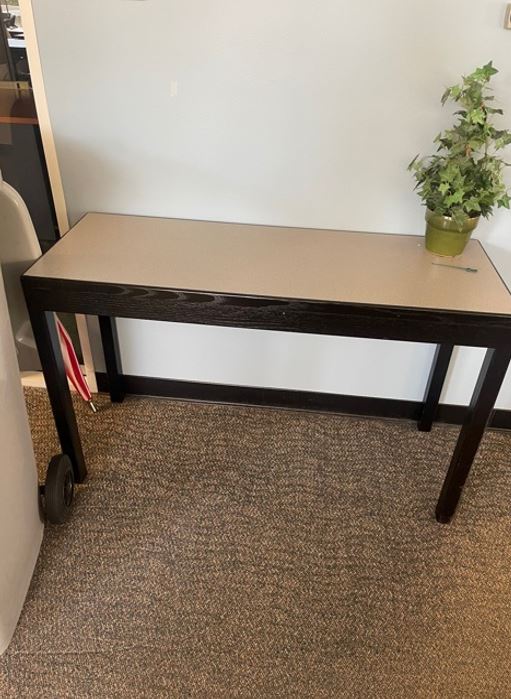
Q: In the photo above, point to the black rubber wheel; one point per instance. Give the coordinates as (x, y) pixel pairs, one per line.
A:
(59, 489)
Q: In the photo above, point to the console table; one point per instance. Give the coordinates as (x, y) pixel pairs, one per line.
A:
(274, 278)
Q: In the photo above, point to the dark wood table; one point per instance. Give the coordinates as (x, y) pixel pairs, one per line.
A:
(274, 278)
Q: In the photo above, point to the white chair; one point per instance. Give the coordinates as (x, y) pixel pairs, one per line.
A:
(21, 527)
(19, 247)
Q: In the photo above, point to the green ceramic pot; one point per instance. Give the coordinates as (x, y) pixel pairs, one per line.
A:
(443, 237)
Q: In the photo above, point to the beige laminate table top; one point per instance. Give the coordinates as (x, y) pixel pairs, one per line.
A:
(271, 261)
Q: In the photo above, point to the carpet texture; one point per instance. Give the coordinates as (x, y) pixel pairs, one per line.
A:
(235, 552)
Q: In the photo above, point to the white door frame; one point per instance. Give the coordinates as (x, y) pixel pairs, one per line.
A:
(50, 152)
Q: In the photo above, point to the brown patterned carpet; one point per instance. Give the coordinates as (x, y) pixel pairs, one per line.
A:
(236, 552)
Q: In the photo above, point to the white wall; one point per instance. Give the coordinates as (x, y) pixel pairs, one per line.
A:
(288, 112)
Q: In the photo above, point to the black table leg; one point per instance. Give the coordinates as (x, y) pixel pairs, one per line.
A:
(50, 354)
(112, 358)
(483, 400)
(436, 380)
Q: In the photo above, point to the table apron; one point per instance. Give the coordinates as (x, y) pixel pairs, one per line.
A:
(285, 315)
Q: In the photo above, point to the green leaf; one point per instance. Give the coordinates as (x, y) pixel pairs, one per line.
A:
(483, 74)
(412, 164)
(459, 216)
(454, 198)
(446, 95)
(490, 70)
(477, 116)
(472, 205)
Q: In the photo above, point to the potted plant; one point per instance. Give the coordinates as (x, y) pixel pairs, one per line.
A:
(464, 179)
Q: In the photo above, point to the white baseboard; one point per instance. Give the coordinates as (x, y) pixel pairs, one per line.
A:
(33, 379)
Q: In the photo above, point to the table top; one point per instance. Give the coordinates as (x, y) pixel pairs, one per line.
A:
(272, 261)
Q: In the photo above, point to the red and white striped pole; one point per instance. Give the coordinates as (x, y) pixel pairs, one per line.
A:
(73, 371)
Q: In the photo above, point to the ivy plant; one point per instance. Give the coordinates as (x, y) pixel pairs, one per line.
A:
(464, 178)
